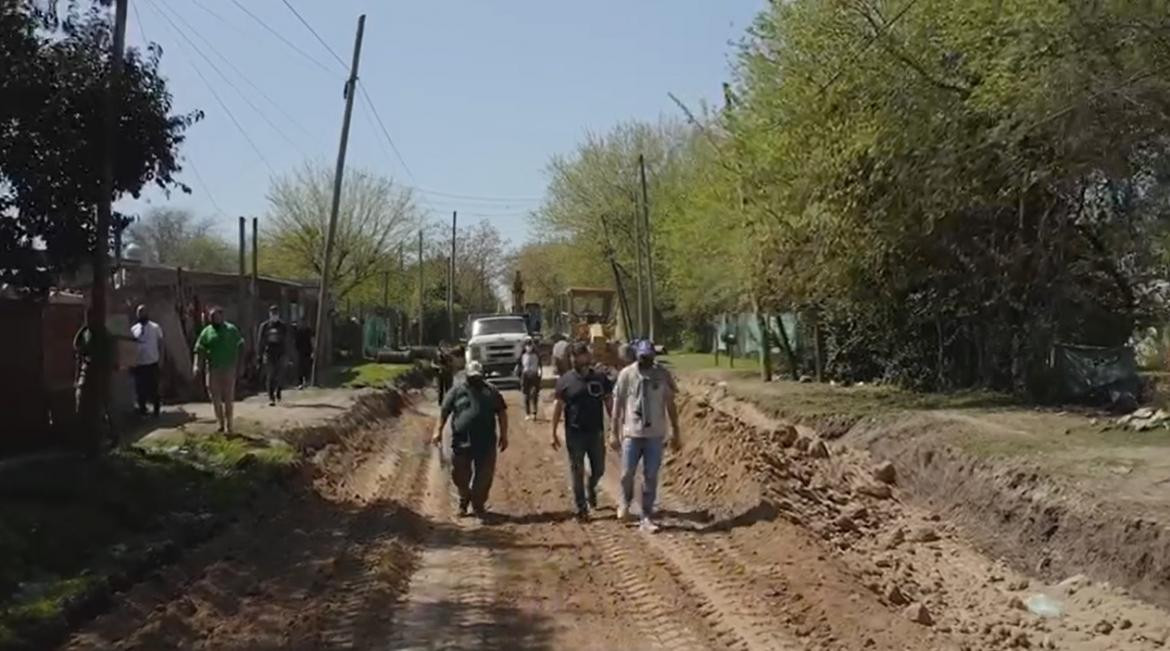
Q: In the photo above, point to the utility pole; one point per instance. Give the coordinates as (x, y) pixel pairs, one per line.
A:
(323, 293)
(640, 278)
(649, 247)
(255, 269)
(95, 391)
(400, 340)
(420, 286)
(451, 281)
(242, 300)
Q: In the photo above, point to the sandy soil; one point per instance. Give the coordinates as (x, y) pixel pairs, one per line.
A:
(770, 540)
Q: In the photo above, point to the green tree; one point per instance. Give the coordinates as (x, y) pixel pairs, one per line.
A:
(178, 239)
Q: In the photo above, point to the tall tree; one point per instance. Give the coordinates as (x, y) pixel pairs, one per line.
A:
(375, 217)
(179, 239)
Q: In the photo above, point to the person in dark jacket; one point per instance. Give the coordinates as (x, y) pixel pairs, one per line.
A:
(475, 408)
(272, 338)
(583, 396)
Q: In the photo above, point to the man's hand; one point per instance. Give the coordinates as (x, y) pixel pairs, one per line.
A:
(674, 442)
(615, 441)
(503, 442)
(556, 442)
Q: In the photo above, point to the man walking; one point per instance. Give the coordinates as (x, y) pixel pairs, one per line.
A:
(530, 379)
(303, 337)
(217, 353)
(148, 350)
(272, 335)
(560, 356)
(584, 396)
(475, 408)
(444, 369)
(644, 398)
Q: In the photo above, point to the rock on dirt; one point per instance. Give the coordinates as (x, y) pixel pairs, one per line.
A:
(879, 491)
(819, 450)
(923, 534)
(885, 473)
(895, 597)
(918, 614)
(1103, 627)
(785, 436)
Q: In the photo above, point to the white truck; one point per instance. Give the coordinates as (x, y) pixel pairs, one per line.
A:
(497, 342)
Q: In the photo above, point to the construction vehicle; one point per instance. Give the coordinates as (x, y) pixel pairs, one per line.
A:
(588, 314)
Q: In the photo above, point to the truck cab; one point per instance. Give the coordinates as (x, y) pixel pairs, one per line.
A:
(497, 342)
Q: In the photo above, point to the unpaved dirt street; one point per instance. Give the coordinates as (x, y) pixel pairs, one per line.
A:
(763, 546)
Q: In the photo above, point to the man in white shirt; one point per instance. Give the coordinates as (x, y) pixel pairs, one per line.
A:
(148, 356)
(643, 401)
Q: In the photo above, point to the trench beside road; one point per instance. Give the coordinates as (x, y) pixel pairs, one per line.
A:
(375, 557)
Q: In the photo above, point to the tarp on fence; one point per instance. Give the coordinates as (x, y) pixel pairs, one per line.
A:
(1092, 374)
(746, 331)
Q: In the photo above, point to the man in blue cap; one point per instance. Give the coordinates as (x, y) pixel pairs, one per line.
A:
(643, 401)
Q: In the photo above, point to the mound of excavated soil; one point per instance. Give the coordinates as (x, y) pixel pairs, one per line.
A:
(876, 518)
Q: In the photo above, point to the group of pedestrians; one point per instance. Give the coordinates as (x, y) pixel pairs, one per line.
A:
(217, 359)
(639, 404)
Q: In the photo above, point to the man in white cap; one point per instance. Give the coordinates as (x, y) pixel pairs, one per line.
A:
(475, 409)
(643, 400)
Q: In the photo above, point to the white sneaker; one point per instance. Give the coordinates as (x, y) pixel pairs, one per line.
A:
(648, 525)
(623, 512)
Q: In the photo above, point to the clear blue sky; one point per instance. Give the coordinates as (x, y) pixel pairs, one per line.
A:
(477, 95)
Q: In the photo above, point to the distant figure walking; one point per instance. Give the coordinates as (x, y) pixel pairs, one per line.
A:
(273, 336)
(303, 337)
(217, 357)
(530, 379)
(560, 356)
(475, 408)
(148, 354)
(643, 401)
(445, 369)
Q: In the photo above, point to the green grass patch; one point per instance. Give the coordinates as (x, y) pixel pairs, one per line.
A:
(364, 374)
(70, 523)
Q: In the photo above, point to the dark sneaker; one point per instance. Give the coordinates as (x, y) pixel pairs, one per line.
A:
(582, 514)
(464, 508)
(480, 511)
(591, 495)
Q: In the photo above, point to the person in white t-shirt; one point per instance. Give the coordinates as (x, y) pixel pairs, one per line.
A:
(147, 357)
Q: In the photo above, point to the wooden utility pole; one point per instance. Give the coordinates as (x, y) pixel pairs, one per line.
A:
(451, 282)
(400, 340)
(95, 390)
(420, 287)
(323, 293)
(640, 278)
(242, 300)
(649, 246)
(255, 267)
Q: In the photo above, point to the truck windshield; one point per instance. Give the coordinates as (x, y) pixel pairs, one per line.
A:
(498, 326)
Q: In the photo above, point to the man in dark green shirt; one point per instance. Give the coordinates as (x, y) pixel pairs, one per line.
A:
(475, 408)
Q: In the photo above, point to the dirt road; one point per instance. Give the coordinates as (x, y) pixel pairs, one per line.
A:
(375, 557)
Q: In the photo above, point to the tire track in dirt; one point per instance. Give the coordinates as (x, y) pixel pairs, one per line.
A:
(449, 601)
(726, 601)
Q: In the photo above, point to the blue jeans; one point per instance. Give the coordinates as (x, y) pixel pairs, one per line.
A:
(649, 451)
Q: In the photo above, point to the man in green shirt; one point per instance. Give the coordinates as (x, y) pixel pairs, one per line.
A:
(217, 352)
(475, 407)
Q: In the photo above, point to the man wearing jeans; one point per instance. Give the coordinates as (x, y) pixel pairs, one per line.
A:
(583, 396)
(644, 399)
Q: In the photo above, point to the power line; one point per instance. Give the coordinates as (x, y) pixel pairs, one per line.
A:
(479, 198)
(229, 82)
(219, 100)
(206, 188)
(247, 80)
(385, 131)
(313, 32)
(282, 38)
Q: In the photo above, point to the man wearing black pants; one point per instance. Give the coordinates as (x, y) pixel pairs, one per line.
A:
(273, 337)
(148, 340)
(584, 396)
(475, 409)
(304, 344)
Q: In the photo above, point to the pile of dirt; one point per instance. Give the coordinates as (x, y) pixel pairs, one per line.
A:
(865, 513)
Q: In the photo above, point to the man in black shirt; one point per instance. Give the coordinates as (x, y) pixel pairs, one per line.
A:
(272, 338)
(584, 396)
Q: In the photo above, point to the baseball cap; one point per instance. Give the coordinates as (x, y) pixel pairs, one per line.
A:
(474, 369)
(644, 348)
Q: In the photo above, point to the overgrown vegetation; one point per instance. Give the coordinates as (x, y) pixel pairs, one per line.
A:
(75, 528)
(944, 190)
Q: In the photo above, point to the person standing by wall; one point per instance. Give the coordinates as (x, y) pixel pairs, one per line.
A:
(273, 337)
(148, 354)
(303, 337)
(475, 408)
(444, 369)
(217, 354)
(584, 396)
(530, 379)
(643, 400)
